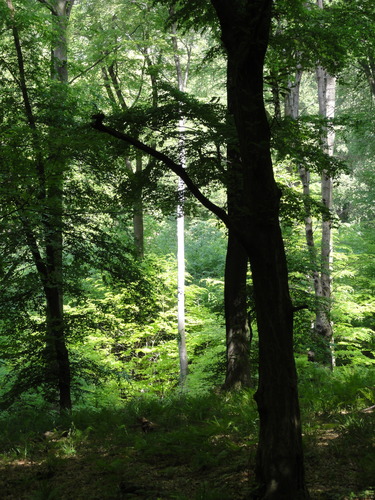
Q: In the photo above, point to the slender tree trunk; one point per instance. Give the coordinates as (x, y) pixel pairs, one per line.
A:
(181, 334)
(138, 228)
(323, 325)
(320, 266)
(292, 98)
(54, 215)
(292, 110)
(182, 77)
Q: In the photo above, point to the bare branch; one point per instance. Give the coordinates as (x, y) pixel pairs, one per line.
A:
(177, 169)
(86, 70)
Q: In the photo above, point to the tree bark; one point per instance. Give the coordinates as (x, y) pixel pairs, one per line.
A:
(279, 461)
(54, 217)
(181, 78)
(236, 318)
(320, 266)
(235, 280)
(50, 194)
(323, 325)
(292, 111)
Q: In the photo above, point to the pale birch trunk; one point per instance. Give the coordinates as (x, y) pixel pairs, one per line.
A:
(323, 325)
(292, 110)
(138, 227)
(181, 333)
(182, 77)
(292, 98)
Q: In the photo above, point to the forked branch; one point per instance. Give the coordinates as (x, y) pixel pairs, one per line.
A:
(172, 165)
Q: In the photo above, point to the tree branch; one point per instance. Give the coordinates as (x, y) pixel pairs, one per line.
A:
(177, 169)
(116, 86)
(34, 249)
(10, 69)
(300, 308)
(49, 6)
(86, 70)
(27, 104)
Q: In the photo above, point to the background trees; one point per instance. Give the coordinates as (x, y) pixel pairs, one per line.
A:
(73, 201)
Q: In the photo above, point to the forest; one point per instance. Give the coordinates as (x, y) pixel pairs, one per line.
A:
(187, 272)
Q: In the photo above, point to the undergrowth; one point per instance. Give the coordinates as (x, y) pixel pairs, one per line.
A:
(194, 446)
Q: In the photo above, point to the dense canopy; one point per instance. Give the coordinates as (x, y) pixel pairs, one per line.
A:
(186, 249)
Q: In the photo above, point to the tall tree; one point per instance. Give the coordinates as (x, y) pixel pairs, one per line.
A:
(326, 99)
(41, 217)
(279, 462)
(245, 30)
(182, 78)
(60, 10)
(323, 324)
(44, 232)
(320, 260)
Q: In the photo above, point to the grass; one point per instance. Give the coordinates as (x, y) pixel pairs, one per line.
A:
(200, 447)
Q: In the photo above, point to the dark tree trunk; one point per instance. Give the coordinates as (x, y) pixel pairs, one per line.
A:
(279, 462)
(54, 284)
(56, 351)
(237, 328)
(236, 265)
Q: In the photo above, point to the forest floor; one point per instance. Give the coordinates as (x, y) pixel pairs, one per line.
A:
(187, 462)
